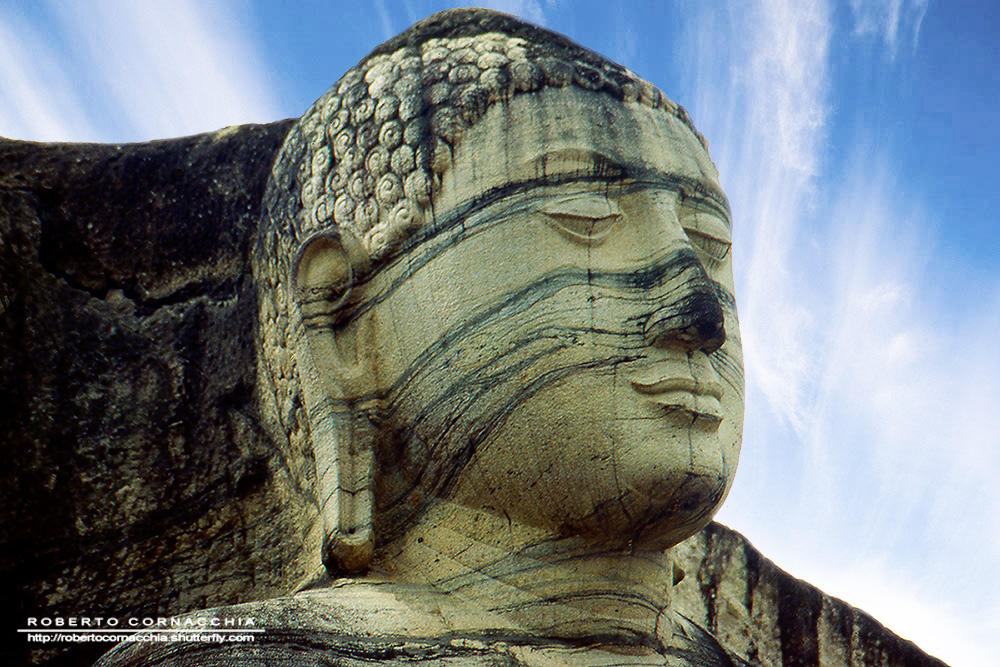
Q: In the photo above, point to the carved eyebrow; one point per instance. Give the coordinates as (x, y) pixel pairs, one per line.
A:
(583, 155)
(694, 192)
(703, 193)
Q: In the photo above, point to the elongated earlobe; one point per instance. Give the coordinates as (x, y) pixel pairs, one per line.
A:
(337, 386)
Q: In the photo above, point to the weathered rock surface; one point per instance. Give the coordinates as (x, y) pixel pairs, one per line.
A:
(768, 617)
(756, 611)
(136, 479)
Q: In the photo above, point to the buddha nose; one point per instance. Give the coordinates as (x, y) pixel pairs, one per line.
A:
(689, 315)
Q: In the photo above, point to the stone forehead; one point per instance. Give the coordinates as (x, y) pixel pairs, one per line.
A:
(376, 139)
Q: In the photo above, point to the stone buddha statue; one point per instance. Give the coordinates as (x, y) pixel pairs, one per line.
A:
(499, 347)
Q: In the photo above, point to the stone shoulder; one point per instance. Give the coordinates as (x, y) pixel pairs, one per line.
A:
(361, 622)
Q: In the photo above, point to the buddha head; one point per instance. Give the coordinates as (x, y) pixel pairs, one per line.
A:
(494, 270)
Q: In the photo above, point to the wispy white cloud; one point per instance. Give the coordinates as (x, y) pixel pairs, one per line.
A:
(788, 80)
(164, 68)
(775, 99)
(41, 101)
(905, 376)
(869, 446)
(890, 21)
(762, 102)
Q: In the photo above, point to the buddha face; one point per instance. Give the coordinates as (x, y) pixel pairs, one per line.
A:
(560, 345)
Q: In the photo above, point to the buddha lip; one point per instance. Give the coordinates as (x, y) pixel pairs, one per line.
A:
(663, 385)
(678, 400)
(685, 387)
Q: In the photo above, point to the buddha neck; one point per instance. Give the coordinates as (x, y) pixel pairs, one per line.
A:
(556, 587)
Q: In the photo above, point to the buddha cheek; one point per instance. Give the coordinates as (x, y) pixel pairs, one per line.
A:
(586, 458)
(549, 463)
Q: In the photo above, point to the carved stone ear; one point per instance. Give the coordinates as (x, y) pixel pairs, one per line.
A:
(323, 272)
(336, 381)
(323, 275)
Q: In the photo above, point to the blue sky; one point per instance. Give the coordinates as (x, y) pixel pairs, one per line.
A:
(858, 142)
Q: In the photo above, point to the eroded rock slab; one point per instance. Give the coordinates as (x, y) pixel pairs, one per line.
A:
(137, 479)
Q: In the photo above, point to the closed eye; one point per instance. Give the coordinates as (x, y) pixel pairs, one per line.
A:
(586, 218)
(709, 234)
